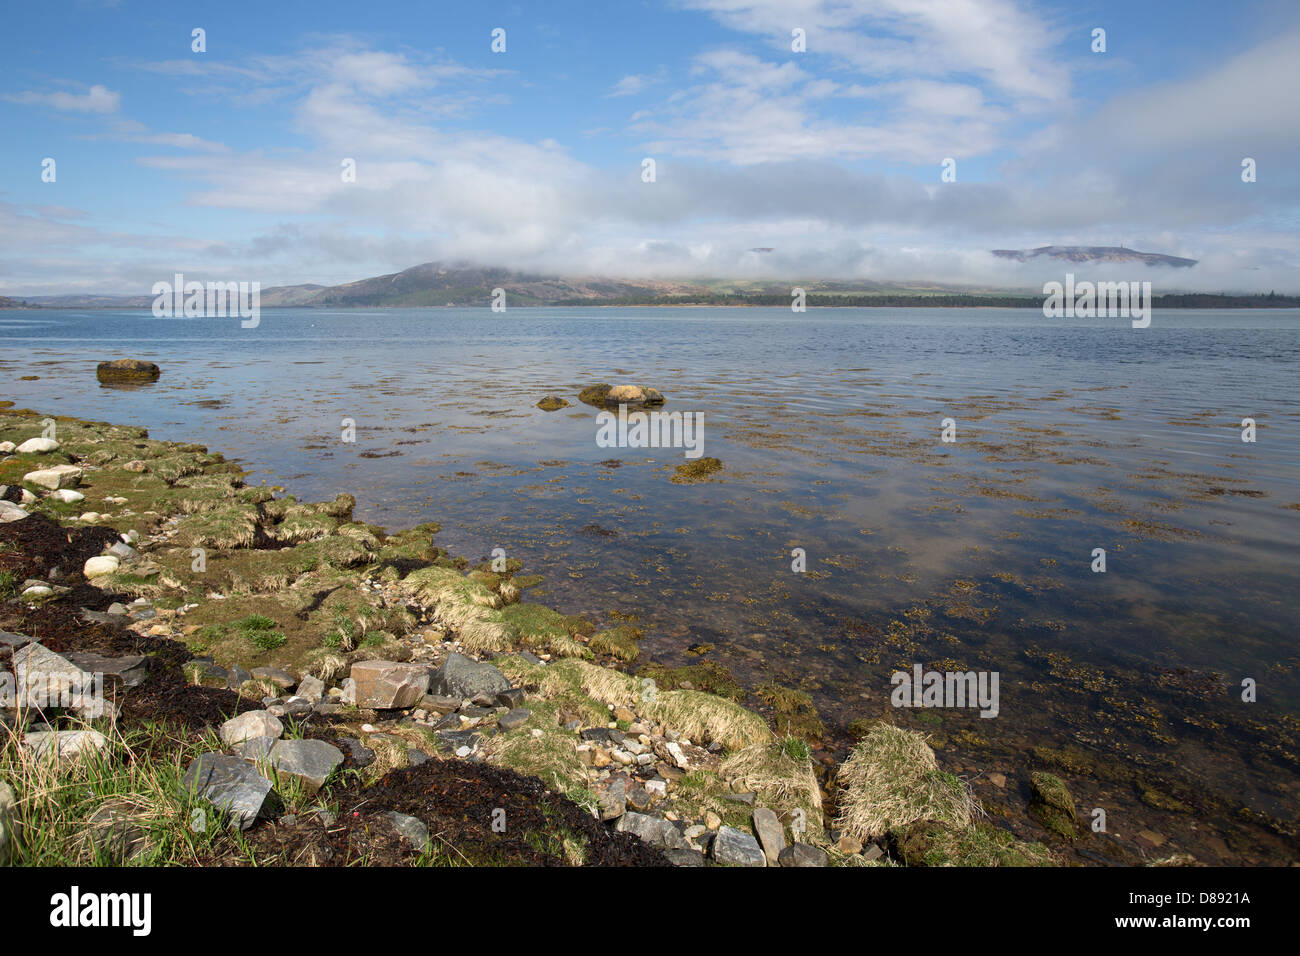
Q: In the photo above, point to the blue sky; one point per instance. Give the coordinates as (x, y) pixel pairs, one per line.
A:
(225, 164)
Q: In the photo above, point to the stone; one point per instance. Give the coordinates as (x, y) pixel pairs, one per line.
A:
(311, 688)
(412, 831)
(37, 591)
(254, 748)
(46, 679)
(67, 496)
(612, 800)
(849, 845)
(652, 830)
(52, 479)
(130, 669)
(250, 724)
(236, 677)
(232, 786)
(37, 446)
(746, 798)
(513, 719)
(440, 703)
(803, 854)
(684, 857)
(733, 847)
(308, 761)
(466, 678)
(360, 755)
(386, 685)
(14, 641)
(100, 565)
(278, 676)
(11, 512)
(998, 780)
(712, 820)
(65, 744)
(771, 834)
(127, 370)
(638, 798)
(512, 698)
(552, 403)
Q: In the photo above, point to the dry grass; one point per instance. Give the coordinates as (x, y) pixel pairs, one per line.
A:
(892, 780)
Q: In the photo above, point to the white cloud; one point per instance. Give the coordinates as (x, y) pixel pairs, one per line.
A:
(97, 99)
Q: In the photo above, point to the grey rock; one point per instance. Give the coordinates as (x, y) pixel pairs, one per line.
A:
(746, 798)
(236, 677)
(771, 834)
(735, 848)
(460, 676)
(415, 757)
(685, 857)
(613, 799)
(311, 688)
(440, 703)
(250, 724)
(412, 831)
(309, 761)
(603, 735)
(8, 802)
(361, 755)
(233, 786)
(49, 680)
(512, 698)
(803, 854)
(452, 740)
(653, 830)
(513, 719)
(14, 641)
(131, 669)
(638, 798)
(254, 748)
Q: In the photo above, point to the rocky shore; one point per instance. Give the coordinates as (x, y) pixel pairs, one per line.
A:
(286, 685)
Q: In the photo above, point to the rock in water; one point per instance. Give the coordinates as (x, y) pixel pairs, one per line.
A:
(385, 685)
(232, 785)
(603, 395)
(461, 677)
(735, 848)
(127, 370)
(309, 761)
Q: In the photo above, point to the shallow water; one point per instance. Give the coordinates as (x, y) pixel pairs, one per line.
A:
(1071, 435)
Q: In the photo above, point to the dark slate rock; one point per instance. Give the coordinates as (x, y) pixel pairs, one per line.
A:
(736, 848)
(512, 698)
(131, 669)
(460, 676)
(513, 719)
(361, 755)
(653, 830)
(234, 786)
(310, 761)
(802, 854)
(686, 857)
(604, 735)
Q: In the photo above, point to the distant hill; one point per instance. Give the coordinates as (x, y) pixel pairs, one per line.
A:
(8, 303)
(458, 284)
(1095, 254)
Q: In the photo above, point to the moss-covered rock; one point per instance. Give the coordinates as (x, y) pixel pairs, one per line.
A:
(1051, 802)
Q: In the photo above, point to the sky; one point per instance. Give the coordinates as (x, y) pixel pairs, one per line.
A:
(229, 163)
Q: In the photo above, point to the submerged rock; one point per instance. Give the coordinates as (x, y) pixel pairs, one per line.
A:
(552, 403)
(701, 469)
(127, 370)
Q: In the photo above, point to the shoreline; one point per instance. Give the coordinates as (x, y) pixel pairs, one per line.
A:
(325, 594)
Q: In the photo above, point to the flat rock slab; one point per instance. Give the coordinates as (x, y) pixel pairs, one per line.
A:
(459, 676)
(733, 847)
(513, 719)
(49, 680)
(52, 479)
(388, 685)
(253, 723)
(276, 675)
(14, 641)
(654, 831)
(131, 669)
(308, 761)
(233, 786)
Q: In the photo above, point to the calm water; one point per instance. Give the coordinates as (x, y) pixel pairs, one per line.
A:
(1071, 435)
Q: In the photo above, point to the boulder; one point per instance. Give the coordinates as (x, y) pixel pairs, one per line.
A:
(459, 676)
(127, 370)
(11, 512)
(308, 761)
(311, 688)
(250, 724)
(52, 479)
(736, 848)
(385, 685)
(46, 680)
(278, 676)
(233, 786)
(603, 395)
(130, 669)
(37, 446)
(67, 496)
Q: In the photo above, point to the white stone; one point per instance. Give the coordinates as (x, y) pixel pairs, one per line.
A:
(6, 447)
(37, 591)
(11, 512)
(65, 743)
(60, 476)
(67, 495)
(101, 564)
(90, 517)
(37, 446)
